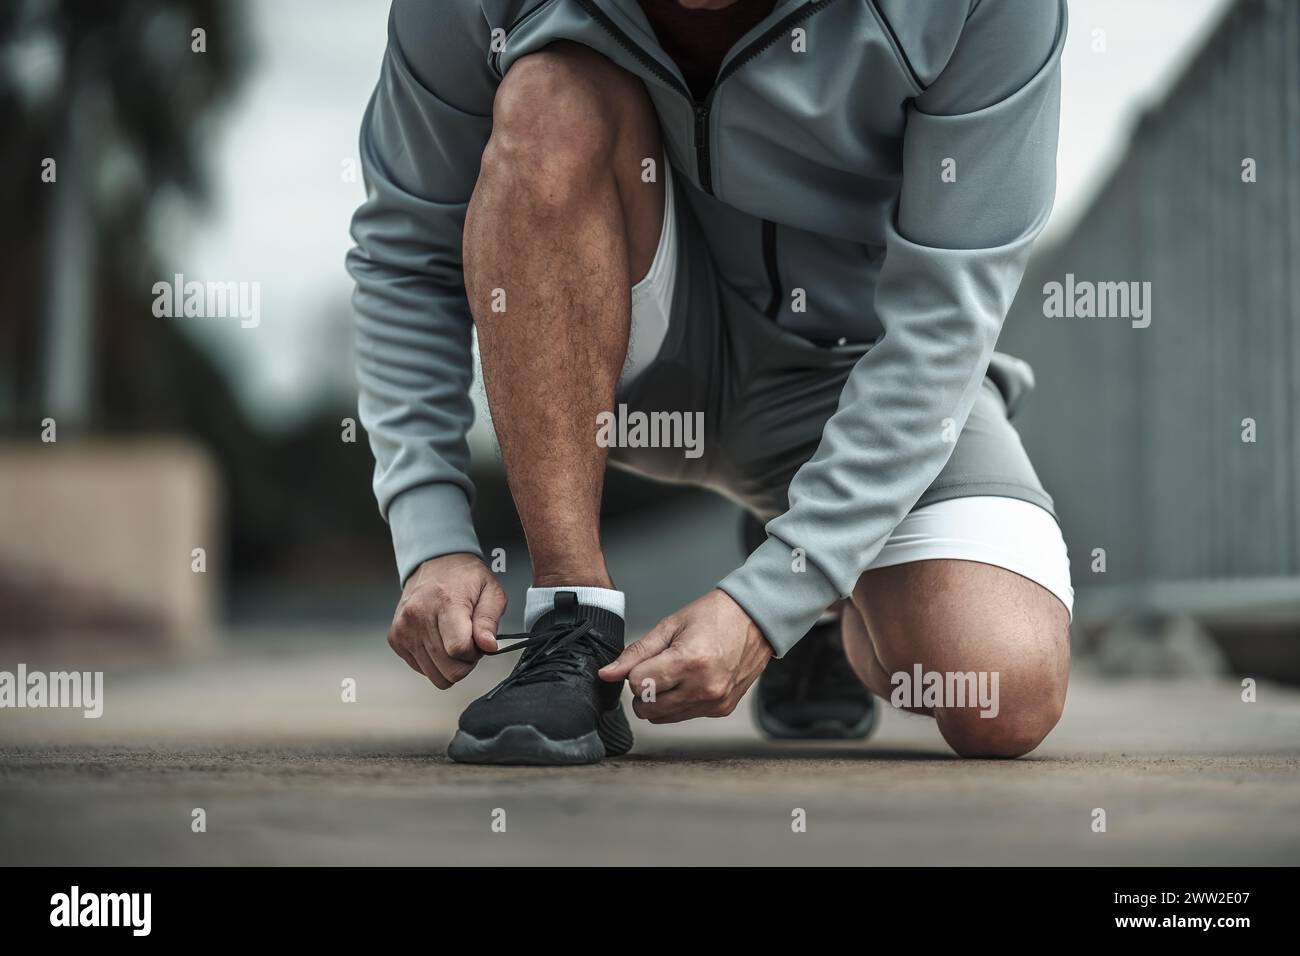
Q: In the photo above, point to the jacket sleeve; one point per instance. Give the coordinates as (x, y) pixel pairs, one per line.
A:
(955, 253)
(422, 139)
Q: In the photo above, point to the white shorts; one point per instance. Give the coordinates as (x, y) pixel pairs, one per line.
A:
(1004, 532)
(652, 297)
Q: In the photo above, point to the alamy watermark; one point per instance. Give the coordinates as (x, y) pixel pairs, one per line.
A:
(624, 429)
(56, 689)
(209, 300)
(920, 688)
(75, 908)
(1084, 299)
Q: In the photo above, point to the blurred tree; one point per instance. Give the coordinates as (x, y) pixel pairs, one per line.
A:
(104, 108)
(119, 98)
(115, 95)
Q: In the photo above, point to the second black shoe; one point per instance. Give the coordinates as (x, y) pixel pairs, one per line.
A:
(813, 693)
(553, 708)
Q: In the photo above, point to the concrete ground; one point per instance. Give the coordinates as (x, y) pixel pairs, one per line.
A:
(288, 773)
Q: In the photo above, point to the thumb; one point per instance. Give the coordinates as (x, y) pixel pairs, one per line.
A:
(488, 609)
(653, 644)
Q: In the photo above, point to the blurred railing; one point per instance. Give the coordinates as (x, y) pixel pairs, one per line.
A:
(1142, 435)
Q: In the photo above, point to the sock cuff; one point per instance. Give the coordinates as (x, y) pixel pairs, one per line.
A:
(542, 600)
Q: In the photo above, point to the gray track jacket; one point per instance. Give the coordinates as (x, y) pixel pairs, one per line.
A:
(901, 151)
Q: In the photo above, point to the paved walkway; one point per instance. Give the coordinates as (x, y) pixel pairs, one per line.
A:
(288, 773)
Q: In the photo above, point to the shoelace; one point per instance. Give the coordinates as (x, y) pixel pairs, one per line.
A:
(561, 649)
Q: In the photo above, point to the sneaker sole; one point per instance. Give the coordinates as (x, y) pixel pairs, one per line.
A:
(524, 744)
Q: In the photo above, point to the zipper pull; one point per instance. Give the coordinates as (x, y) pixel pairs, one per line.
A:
(701, 126)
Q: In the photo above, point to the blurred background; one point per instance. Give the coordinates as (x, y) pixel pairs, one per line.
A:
(185, 502)
(132, 439)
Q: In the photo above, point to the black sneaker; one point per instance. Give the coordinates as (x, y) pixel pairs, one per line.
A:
(553, 708)
(812, 693)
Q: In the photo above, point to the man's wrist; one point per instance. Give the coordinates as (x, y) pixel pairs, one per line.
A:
(453, 559)
(782, 592)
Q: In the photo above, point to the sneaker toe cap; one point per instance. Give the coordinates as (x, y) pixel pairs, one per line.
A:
(559, 716)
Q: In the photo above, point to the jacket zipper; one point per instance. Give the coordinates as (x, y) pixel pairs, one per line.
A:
(652, 65)
(702, 165)
(703, 160)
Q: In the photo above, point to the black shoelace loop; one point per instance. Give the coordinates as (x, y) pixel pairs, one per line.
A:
(561, 649)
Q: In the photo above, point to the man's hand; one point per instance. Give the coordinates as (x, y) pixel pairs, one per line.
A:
(447, 617)
(701, 661)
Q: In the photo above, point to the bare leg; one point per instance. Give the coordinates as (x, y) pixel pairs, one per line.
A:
(561, 225)
(962, 616)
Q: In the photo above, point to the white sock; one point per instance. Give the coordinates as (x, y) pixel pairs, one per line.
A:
(541, 600)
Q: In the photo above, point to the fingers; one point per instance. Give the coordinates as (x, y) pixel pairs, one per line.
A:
(428, 669)
(659, 675)
(447, 617)
(405, 655)
(452, 668)
(670, 708)
(665, 687)
(681, 686)
(696, 663)
(454, 632)
(653, 644)
(399, 645)
(486, 619)
(652, 696)
(686, 702)
(416, 636)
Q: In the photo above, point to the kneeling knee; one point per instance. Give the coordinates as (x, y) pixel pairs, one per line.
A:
(1022, 720)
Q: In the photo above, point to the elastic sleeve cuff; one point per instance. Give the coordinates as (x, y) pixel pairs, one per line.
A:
(782, 591)
(428, 521)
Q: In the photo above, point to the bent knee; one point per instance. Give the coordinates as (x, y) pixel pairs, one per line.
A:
(1022, 715)
(555, 118)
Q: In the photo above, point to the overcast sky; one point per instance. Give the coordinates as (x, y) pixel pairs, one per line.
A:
(281, 204)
